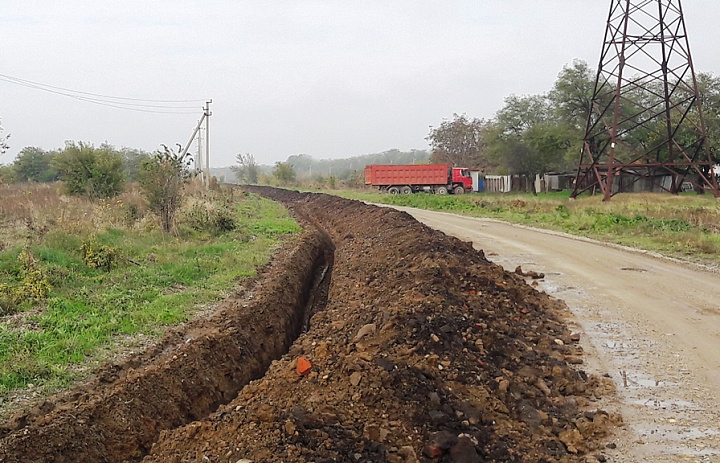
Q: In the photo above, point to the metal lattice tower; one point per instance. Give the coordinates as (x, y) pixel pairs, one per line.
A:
(647, 124)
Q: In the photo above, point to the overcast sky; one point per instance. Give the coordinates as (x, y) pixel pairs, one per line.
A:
(330, 78)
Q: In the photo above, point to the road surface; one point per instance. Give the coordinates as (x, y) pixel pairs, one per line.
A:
(653, 324)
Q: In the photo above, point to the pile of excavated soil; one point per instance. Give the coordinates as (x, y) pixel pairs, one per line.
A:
(424, 350)
(420, 350)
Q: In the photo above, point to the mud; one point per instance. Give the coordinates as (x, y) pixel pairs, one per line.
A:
(421, 350)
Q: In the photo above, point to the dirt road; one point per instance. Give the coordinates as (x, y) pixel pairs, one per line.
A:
(651, 323)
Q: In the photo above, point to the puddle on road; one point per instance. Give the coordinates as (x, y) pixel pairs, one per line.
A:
(670, 404)
(639, 380)
(673, 432)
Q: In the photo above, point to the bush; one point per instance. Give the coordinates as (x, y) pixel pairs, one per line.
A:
(34, 286)
(211, 215)
(98, 256)
(131, 214)
(89, 171)
(162, 178)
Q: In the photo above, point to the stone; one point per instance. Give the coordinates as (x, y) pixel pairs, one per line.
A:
(386, 364)
(438, 417)
(303, 366)
(443, 439)
(355, 378)
(364, 331)
(464, 452)
(572, 440)
(408, 453)
(289, 428)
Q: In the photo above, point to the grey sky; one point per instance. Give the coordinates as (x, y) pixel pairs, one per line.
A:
(329, 78)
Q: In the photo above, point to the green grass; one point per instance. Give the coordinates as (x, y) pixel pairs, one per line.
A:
(684, 226)
(158, 281)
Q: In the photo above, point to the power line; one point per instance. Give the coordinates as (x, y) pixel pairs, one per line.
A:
(131, 104)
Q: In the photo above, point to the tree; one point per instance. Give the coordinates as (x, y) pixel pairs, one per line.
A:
(89, 171)
(162, 177)
(246, 169)
(526, 139)
(284, 172)
(459, 142)
(3, 141)
(7, 174)
(34, 165)
(709, 88)
(132, 162)
(572, 93)
(522, 112)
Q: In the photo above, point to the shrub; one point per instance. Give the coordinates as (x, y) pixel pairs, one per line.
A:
(89, 171)
(211, 215)
(32, 288)
(162, 178)
(98, 256)
(131, 214)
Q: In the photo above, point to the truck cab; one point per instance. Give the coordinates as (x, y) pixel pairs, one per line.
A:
(461, 179)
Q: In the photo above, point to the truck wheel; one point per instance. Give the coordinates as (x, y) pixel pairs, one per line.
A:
(393, 190)
(441, 190)
(406, 190)
(459, 190)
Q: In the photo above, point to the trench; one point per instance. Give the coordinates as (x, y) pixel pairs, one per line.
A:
(190, 379)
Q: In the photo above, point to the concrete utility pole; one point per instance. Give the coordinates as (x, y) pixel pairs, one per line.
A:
(205, 118)
(207, 115)
(199, 157)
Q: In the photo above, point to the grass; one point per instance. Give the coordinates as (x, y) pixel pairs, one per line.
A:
(685, 226)
(156, 280)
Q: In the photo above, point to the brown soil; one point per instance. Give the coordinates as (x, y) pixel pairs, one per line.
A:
(420, 349)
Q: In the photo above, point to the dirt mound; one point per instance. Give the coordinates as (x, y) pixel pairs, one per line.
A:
(424, 350)
(420, 349)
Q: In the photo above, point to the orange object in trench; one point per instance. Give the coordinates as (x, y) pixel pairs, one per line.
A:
(303, 366)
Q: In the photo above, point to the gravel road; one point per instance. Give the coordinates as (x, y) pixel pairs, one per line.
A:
(651, 323)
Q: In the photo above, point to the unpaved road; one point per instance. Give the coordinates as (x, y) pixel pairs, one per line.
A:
(651, 323)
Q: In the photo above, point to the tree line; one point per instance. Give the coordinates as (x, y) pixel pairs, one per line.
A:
(102, 172)
(535, 134)
(90, 170)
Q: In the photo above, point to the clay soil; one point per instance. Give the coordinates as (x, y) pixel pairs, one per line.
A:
(421, 350)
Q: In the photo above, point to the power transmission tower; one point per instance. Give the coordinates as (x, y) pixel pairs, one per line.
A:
(646, 125)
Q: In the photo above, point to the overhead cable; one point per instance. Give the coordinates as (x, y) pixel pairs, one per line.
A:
(132, 104)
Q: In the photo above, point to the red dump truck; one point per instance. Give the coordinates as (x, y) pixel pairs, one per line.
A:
(440, 179)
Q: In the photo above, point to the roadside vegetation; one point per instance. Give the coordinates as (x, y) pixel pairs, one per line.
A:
(81, 276)
(685, 226)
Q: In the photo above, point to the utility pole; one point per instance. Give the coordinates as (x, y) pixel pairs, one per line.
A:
(207, 115)
(199, 157)
(205, 118)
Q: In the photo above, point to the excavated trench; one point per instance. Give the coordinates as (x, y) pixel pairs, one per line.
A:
(118, 416)
(421, 350)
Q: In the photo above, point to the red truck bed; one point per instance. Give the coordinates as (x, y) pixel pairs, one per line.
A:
(412, 174)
